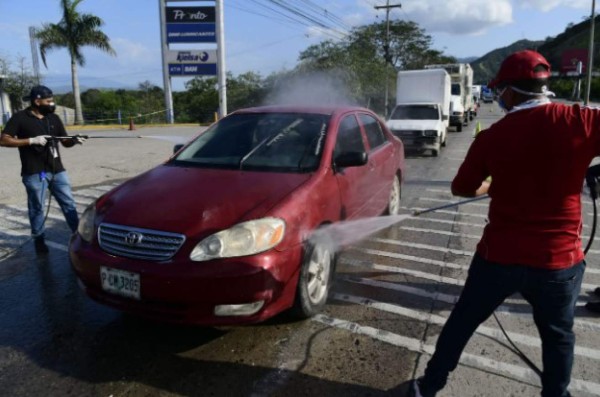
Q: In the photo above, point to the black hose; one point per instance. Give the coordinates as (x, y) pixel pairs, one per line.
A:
(593, 232)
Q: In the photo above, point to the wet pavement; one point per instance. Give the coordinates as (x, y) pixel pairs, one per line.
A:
(392, 293)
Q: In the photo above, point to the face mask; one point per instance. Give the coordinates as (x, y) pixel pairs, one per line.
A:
(47, 109)
(501, 103)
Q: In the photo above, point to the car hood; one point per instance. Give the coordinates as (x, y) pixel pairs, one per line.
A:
(196, 201)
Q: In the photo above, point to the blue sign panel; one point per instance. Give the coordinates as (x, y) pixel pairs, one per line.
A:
(192, 69)
(191, 33)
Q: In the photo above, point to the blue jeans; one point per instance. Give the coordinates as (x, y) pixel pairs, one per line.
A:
(552, 295)
(37, 186)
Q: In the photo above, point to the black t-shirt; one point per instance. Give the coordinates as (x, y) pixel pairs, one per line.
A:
(35, 158)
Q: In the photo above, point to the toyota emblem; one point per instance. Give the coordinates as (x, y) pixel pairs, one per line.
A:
(133, 238)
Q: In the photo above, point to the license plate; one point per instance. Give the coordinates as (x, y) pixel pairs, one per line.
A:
(120, 282)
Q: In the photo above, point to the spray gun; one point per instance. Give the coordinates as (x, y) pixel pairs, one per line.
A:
(67, 137)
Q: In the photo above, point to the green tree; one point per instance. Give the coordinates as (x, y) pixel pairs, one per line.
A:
(362, 62)
(74, 31)
(17, 82)
(199, 102)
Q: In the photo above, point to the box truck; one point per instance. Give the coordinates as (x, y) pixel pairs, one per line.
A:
(461, 102)
(421, 115)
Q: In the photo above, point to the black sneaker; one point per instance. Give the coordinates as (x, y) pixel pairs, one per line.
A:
(418, 390)
(593, 306)
(40, 245)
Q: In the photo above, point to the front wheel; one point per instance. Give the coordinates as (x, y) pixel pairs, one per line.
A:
(316, 274)
(393, 206)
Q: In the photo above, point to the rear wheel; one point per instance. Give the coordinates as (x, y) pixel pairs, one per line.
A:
(434, 152)
(459, 128)
(315, 278)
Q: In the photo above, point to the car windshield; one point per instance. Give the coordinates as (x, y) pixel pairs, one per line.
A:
(415, 112)
(278, 142)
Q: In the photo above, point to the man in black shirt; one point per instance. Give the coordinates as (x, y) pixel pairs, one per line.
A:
(32, 131)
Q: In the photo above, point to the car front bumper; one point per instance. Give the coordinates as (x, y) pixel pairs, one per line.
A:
(183, 291)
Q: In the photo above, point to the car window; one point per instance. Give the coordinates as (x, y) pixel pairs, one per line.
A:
(286, 142)
(415, 112)
(349, 138)
(375, 135)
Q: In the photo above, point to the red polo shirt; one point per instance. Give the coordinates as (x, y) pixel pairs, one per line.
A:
(537, 158)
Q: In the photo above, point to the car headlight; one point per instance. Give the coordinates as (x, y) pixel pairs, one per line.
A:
(86, 223)
(246, 238)
(430, 133)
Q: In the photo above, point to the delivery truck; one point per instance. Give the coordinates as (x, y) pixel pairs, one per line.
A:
(461, 102)
(422, 112)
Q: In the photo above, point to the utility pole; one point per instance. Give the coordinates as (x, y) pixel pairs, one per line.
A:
(386, 48)
(588, 82)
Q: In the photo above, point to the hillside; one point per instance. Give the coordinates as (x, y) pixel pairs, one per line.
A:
(575, 36)
(485, 68)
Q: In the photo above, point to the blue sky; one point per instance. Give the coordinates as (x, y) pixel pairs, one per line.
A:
(259, 40)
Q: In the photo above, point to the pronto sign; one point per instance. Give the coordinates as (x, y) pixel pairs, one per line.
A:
(191, 24)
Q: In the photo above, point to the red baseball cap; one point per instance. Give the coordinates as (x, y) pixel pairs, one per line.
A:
(520, 66)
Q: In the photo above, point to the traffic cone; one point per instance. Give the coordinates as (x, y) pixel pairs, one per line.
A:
(131, 124)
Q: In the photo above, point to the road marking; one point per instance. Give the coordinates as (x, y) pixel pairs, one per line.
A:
(437, 319)
(483, 363)
(412, 209)
(422, 246)
(434, 262)
(443, 232)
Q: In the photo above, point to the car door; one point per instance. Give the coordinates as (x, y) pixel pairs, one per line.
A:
(353, 182)
(381, 164)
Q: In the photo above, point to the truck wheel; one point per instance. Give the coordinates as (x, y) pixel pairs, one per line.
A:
(434, 152)
(459, 128)
(316, 274)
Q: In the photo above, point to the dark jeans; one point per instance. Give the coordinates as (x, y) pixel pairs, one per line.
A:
(552, 295)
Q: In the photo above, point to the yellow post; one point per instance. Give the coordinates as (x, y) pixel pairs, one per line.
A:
(477, 129)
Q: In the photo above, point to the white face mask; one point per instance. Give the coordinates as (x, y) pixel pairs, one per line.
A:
(501, 103)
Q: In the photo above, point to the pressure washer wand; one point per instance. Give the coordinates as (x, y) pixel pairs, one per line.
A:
(58, 138)
(441, 207)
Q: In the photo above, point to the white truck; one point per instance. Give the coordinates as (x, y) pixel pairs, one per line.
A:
(463, 108)
(421, 115)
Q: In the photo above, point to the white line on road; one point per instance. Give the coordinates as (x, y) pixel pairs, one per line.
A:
(483, 363)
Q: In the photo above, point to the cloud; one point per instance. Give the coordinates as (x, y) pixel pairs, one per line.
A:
(458, 17)
(547, 5)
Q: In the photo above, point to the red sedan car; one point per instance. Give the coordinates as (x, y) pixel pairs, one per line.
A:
(219, 234)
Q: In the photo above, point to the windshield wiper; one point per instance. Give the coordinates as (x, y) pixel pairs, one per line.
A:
(269, 139)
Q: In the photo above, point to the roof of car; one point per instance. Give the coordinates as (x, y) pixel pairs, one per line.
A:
(329, 109)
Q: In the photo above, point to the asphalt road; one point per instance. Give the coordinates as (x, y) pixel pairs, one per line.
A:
(393, 292)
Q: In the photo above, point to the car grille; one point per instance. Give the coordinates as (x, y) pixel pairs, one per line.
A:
(407, 133)
(131, 242)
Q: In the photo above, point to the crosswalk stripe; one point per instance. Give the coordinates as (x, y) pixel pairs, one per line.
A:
(436, 319)
(476, 361)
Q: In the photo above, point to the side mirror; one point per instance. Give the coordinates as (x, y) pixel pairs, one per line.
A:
(445, 117)
(177, 147)
(351, 159)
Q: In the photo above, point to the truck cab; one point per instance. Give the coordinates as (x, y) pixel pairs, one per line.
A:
(420, 126)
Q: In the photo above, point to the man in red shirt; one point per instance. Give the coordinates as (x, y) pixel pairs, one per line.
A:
(537, 156)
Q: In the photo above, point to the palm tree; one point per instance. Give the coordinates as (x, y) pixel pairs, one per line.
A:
(73, 32)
